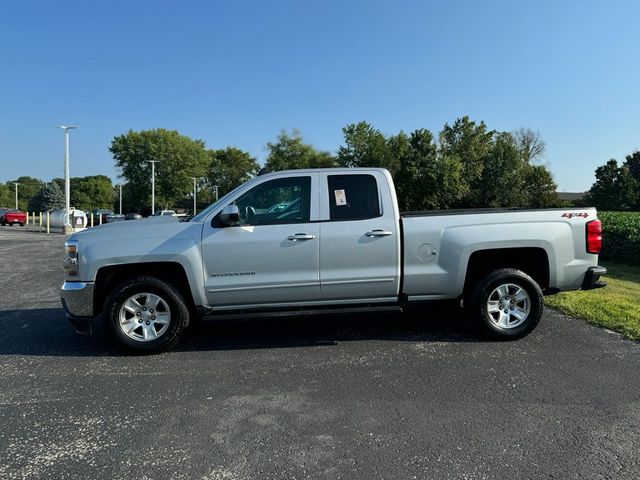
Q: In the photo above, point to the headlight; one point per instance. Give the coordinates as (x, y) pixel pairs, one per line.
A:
(71, 258)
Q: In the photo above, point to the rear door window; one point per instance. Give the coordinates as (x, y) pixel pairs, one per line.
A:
(353, 197)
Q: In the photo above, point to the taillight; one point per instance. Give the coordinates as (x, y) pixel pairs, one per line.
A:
(594, 236)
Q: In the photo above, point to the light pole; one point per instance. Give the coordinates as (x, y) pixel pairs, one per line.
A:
(67, 183)
(153, 186)
(16, 184)
(120, 198)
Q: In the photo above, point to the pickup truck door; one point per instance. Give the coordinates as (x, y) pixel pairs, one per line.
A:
(271, 257)
(359, 238)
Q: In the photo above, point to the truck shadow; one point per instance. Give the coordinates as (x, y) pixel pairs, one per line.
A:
(46, 332)
(428, 324)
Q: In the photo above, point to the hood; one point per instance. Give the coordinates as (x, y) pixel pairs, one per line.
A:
(160, 226)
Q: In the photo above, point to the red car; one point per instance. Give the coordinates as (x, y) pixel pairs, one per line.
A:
(9, 216)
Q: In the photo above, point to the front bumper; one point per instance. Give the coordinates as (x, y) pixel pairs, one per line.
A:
(592, 278)
(77, 301)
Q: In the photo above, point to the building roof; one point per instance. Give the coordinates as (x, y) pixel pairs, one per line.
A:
(571, 196)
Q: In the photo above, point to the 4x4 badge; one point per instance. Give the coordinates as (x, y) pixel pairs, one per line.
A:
(571, 215)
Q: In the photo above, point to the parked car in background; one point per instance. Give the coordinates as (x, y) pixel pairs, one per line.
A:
(114, 217)
(11, 216)
(133, 216)
(99, 213)
(161, 213)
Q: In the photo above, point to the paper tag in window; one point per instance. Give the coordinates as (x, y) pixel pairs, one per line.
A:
(341, 197)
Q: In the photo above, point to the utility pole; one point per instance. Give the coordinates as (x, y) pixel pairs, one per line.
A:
(153, 186)
(215, 189)
(67, 182)
(120, 198)
(194, 195)
(16, 184)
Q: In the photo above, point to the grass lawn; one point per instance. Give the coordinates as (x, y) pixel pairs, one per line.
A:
(616, 307)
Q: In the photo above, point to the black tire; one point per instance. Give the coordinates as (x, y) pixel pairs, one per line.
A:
(179, 313)
(22, 224)
(479, 304)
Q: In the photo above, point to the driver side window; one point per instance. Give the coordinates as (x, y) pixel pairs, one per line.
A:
(279, 201)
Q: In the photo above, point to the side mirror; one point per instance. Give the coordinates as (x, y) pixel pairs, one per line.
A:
(230, 215)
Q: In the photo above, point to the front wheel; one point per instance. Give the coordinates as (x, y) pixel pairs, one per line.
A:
(146, 314)
(507, 304)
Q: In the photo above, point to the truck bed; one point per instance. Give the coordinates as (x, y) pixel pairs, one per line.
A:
(438, 245)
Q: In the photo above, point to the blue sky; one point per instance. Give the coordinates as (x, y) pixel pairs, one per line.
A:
(237, 72)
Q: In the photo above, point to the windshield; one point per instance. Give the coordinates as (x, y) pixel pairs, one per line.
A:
(218, 203)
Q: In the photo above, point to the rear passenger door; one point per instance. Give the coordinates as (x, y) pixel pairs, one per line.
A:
(359, 238)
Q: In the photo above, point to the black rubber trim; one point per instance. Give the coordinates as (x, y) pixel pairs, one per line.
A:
(592, 278)
(228, 315)
(208, 312)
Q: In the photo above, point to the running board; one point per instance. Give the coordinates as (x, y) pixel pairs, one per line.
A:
(303, 313)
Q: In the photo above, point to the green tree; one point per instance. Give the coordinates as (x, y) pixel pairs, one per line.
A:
(539, 188)
(49, 197)
(472, 167)
(289, 152)
(425, 179)
(501, 183)
(628, 186)
(7, 198)
(615, 187)
(632, 163)
(365, 146)
(230, 167)
(130, 201)
(179, 159)
(89, 193)
(27, 188)
(470, 142)
(603, 192)
(497, 165)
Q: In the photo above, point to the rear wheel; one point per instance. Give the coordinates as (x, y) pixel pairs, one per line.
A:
(507, 304)
(146, 314)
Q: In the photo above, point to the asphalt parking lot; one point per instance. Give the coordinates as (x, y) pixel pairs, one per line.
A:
(393, 397)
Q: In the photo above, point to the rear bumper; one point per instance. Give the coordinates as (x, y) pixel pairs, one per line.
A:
(77, 301)
(592, 278)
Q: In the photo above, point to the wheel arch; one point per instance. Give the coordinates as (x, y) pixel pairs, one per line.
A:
(533, 261)
(108, 277)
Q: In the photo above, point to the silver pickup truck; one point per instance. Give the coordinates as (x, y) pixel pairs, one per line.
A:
(317, 241)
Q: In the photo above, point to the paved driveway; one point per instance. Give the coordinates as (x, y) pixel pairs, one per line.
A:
(393, 397)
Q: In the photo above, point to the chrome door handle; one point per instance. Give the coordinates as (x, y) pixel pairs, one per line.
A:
(300, 236)
(378, 233)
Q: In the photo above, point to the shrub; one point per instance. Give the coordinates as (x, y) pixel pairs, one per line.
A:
(621, 232)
